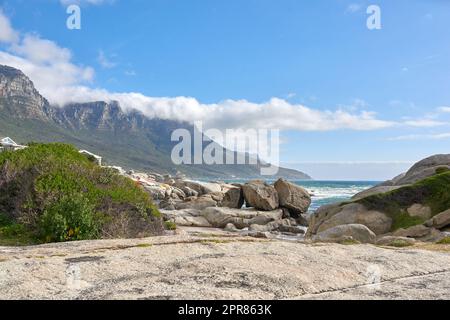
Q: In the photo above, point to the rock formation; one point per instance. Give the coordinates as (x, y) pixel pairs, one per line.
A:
(260, 195)
(414, 205)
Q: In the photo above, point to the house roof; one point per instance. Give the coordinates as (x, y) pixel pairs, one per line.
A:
(8, 141)
(90, 153)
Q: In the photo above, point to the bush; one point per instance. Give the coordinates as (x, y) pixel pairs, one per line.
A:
(13, 233)
(58, 194)
(400, 244)
(70, 218)
(441, 170)
(170, 225)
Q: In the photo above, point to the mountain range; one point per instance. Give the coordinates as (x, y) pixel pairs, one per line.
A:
(127, 139)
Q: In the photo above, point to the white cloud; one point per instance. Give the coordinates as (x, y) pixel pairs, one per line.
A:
(61, 81)
(444, 109)
(7, 33)
(273, 114)
(424, 123)
(40, 51)
(45, 62)
(48, 65)
(104, 61)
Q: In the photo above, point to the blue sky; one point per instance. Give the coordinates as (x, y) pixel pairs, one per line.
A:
(375, 98)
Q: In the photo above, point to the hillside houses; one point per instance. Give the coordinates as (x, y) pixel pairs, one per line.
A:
(8, 144)
(97, 159)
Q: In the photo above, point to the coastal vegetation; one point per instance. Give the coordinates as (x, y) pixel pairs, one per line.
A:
(432, 192)
(52, 193)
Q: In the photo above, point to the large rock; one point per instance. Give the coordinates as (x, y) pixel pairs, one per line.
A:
(425, 168)
(435, 235)
(200, 203)
(401, 199)
(271, 226)
(394, 181)
(260, 195)
(418, 231)
(439, 221)
(391, 241)
(187, 217)
(188, 191)
(421, 170)
(418, 210)
(296, 199)
(320, 216)
(202, 187)
(422, 233)
(169, 204)
(233, 198)
(331, 216)
(216, 196)
(221, 217)
(177, 194)
(341, 233)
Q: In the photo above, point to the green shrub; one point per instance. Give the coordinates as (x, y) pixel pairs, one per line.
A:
(169, 225)
(58, 194)
(400, 244)
(403, 220)
(441, 170)
(70, 218)
(13, 233)
(4, 220)
(349, 242)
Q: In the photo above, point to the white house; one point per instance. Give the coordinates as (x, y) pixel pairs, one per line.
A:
(97, 158)
(8, 144)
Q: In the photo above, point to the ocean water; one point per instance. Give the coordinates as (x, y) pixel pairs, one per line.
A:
(328, 192)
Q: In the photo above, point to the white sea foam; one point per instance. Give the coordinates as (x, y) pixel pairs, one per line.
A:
(327, 192)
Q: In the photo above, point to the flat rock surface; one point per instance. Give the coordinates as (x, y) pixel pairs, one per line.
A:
(206, 264)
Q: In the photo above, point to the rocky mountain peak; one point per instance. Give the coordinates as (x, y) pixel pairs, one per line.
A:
(99, 115)
(10, 72)
(20, 97)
